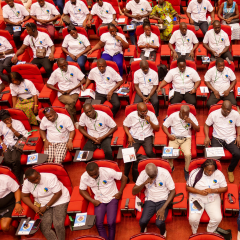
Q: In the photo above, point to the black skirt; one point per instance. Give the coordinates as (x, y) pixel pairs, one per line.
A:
(7, 202)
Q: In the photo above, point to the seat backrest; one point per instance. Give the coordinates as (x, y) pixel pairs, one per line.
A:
(58, 170)
(90, 237)
(177, 106)
(189, 27)
(196, 163)
(104, 29)
(231, 66)
(206, 236)
(55, 66)
(84, 1)
(8, 171)
(133, 107)
(109, 63)
(144, 236)
(30, 72)
(188, 64)
(159, 162)
(3, 3)
(21, 116)
(227, 29)
(176, 5)
(80, 30)
(217, 106)
(103, 108)
(9, 37)
(24, 33)
(57, 109)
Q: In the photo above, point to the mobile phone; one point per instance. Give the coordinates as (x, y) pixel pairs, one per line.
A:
(125, 90)
(4, 212)
(115, 140)
(34, 139)
(57, 22)
(1, 96)
(199, 50)
(31, 143)
(197, 205)
(36, 224)
(128, 49)
(127, 203)
(92, 20)
(84, 156)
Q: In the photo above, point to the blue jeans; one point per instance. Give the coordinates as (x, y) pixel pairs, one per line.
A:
(81, 62)
(238, 220)
(60, 4)
(132, 33)
(118, 59)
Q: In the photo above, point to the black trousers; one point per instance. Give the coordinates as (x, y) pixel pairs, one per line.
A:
(232, 148)
(225, 55)
(189, 98)
(12, 160)
(105, 146)
(152, 56)
(114, 101)
(213, 100)
(186, 57)
(153, 100)
(203, 25)
(45, 63)
(147, 145)
(16, 35)
(5, 64)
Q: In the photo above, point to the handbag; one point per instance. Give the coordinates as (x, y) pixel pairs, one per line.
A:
(40, 51)
(228, 15)
(20, 144)
(227, 234)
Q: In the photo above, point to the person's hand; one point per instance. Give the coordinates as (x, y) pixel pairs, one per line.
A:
(14, 59)
(147, 45)
(149, 180)
(19, 23)
(84, 24)
(68, 92)
(109, 95)
(9, 125)
(171, 137)
(96, 203)
(208, 190)
(159, 90)
(84, 88)
(42, 209)
(35, 110)
(207, 142)
(117, 195)
(95, 140)
(37, 210)
(175, 56)
(130, 141)
(203, 192)
(215, 54)
(51, 57)
(89, 24)
(47, 144)
(118, 38)
(41, 21)
(160, 21)
(237, 141)
(78, 56)
(62, 92)
(182, 17)
(114, 22)
(193, 91)
(160, 214)
(187, 120)
(216, 93)
(90, 52)
(191, 21)
(18, 208)
(191, 54)
(69, 145)
(212, 21)
(146, 99)
(4, 147)
(73, 57)
(147, 118)
(226, 93)
(99, 140)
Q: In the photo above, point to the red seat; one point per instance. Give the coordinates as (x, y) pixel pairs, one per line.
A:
(90, 237)
(206, 236)
(144, 236)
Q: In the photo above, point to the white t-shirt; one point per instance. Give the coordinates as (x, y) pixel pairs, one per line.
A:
(43, 41)
(77, 12)
(15, 14)
(7, 185)
(181, 80)
(224, 127)
(216, 180)
(139, 126)
(58, 131)
(66, 80)
(199, 11)
(160, 188)
(44, 191)
(4, 46)
(217, 42)
(183, 42)
(220, 80)
(112, 46)
(104, 82)
(76, 46)
(141, 8)
(25, 90)
(9, 138)
(146, 81)
(104, 187)
(99, 126)
(105, 13)
(178, 126)
(152, 40)
(46, 12)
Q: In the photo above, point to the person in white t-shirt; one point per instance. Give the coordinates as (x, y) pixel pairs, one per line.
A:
(181, 123)
(14, 15)
(159, 192)
(57, 132)
(107, 82)
(146, 82)
(69, 79)
(44, 13)
(102, 182)
(100, 127)
(197, 12)
(139, 126)
(140, 10)
(225, 121)
(216, 41)
(221, 80)
(185, 42)
(205, 186)
(51, 200)
(75, 45)
(185, 81)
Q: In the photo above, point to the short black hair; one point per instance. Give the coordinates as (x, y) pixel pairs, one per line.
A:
(29, 172)
(91, 166)
(219, 60)
(61, 60)
(33, 26)
(181, 59)
(209, 162)
(16, 75)
(112, 25)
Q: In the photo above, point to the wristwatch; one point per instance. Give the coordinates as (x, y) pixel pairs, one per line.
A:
(47, 207)
(19, 202)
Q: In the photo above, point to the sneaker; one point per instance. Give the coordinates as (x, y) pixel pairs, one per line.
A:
(186, 175)
(230, 176)
(238, 236)
(145, 230)
(76, 125)
(38, 118)
(173, 168)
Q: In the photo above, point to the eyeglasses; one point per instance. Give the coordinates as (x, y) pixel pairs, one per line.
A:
(47, 109)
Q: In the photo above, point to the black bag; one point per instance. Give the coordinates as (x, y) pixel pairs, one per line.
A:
(227, 234)
(228, 15)
(162, 72)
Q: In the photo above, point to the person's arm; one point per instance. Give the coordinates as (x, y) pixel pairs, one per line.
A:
(110, 132)
(18, 206)
(138, 91)
(26, 18)
(69, 142)
(56, 17)
(123, 184)
(193, 50)
(190, 19)
(196, 85)
(85, 133)
(207, 141)
(175, 56)
(137, 189)
(6, 20)
(14, 100)
(78, 86)
(19, 52)
(89, 21)
(35, 108)
(44, 138)
(209, 85)
(85, 21)
(86, 195)
(127, 13)
(206, 191)
(231, 87)
(165, 130)
(124, 44)
(195, 126)
(51, 55)
(9, 51)
(87, 49)
(2, 86)
(212, 16)
(161, 85)
(224, 50)
(237, 141)
(110, 93)
(86, 85)
(26, 199)
(208, 48)
(55, 89)
(220, 12)
(154, 126)
(99, 45)
(130, 138)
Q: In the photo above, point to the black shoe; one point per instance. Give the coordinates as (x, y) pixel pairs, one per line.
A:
(186, 175)
(173, 168)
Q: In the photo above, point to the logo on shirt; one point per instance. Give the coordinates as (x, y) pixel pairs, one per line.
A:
(160, 184)
(214, 181)
(80, 42)
(104, 182)
(79, 10)
(47, 11)
(152, 41)
(205, 8)
(226, 76)
(187, 75)
(26, 90)
(71, 74)
(61, 126)
(18, 12)
(40, 42)
(100, 124)
(108, 78)
(230, 121)
(106, 11)
(149, 80)
(45, 189)
(222, 39)
(0, 44)
(188, 40)
(142, 9)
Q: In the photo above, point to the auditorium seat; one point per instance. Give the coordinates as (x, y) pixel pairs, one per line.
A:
(206, 236)
(144, 236)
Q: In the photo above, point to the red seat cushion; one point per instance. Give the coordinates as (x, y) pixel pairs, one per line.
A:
(68, 157)
(57, 103)
(99, 154)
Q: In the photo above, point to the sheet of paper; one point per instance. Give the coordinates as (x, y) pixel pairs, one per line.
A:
(26, 230)
(238, 90)
(215, 152)
(80, 219)
(88, 92)
(206, 59)
(82, 155)
(137, 207)
(121, 20)
(16, 28)
(137, 59)
(120, 92)
(129, 155)
(147, 54)
(130, 27)
(171, 93)
(176, 152)
(20, 62)
(32, 158)
(167, 151)
(204, 90)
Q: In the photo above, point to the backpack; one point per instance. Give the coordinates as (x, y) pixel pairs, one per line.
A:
(162, 72)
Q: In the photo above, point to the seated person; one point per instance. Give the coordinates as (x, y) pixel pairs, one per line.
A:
(44, 14)
(6, 54)
(197, 13)
(148, 42)
(139, 126)
(57, 132)
(106, 196)
(100, 127)
(159, 192)
(24, 96)
(216, 41)
(14, 15)
(51, 200)
(225, 121)
(69, 79)
(221, 81)
(10, 198)
(185, 42)
(38, 40)
(185, 81)
(78, 12)
(140, 10)
(114, 43)
(107, 82)
(181, 123)
(146, 83)
(11, 130)
(205, 186)
(27, 4)
(75, 45)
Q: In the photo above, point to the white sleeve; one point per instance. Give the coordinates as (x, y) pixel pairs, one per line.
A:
(110, 122)
(195, 76)
(32, 10)
(155, 79)
(5, 14)
(209, 120)
(193, 118)
(226, 41)
(65, 42)
(135, 78)
(49, 40)
(85, 41)
(43, 125)
(116, 76)
(32, 88)
(79, 73)
(140, 40)
(13, 92)
(83, 186)
(65, 9)
(141, 179)
(103, 38)
(12, 184)
(148, 6)
(69, 124)
(91, 75)
(169, 182)
(25, 187)
(169, 77)
(154, 119)
(94, 10)
(85, 9)
(55, 12)
(127, 121)
(206, 37)
(238, 121)
(26, 41)
(195, 40)
(53, 79)
(222, 180)
(209, 7)
(189, 8)
(232, 75)
(21, 129)
(168, 122)
(208, 76)
(82, 120)
(114, 174)
(24, 10)
(128, 6)
(173, 38)
(112, 10)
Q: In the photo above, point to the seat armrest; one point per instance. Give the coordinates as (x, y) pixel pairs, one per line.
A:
(236, 51)
(120, 133)
(47, 95)
(161, 139)
(181, 207)
(200, 136)
(228, 208)
(165, 51)
(130, 52)
(78, 141)
(125, 21)
(2, 24)
(34, 149)
(94, 55)
(27, 212)
(128, 209)
(24, 57)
